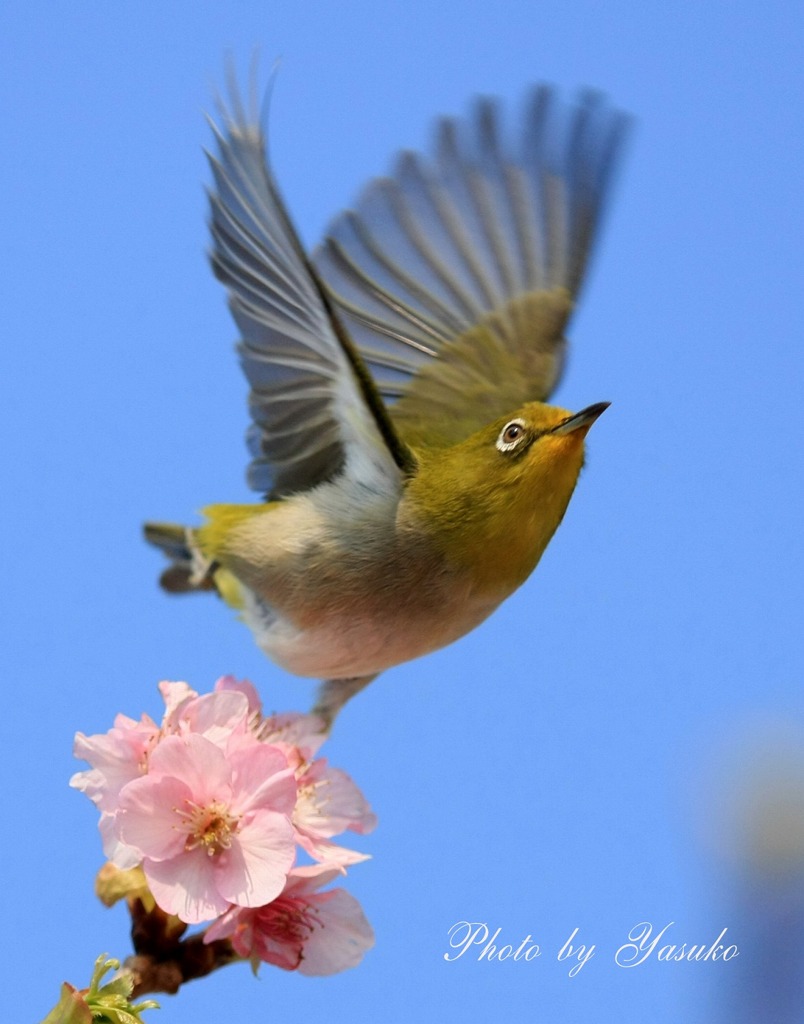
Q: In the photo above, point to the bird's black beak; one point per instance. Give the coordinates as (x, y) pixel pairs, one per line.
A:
(585, 418)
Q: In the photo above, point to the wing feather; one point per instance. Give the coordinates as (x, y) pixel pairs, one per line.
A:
(457, 275)
(315, 411)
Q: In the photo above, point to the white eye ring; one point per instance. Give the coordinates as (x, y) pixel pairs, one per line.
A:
(505, 442)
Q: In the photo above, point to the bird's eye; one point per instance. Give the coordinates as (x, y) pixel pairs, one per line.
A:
(511, 435)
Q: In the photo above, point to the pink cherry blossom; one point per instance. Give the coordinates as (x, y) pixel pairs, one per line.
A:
(328, 800)
(316, 933)
(304, 732)
(117, 758)
(123, 753)
(212, 828)
(213, 800)
(249, 691)
(220, 716)
(328, 803)
(174, 694)
(291, 729)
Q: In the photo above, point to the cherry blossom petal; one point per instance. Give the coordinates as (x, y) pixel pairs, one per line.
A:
(117, 757)
(315, 932)
(148, 819)
(92, 782)
(309, 878)
(114, 848)
(274, 934)
(186, 886)
(198, 763)
(254, 871)
(262, 779)
(224, 927)
(215, 716)
(174, 695)
(307, 732)
(340, 937)
(227, 683)
(327, 852)
(330, 802)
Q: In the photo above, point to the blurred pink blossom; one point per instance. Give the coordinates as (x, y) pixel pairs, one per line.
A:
(316, 933)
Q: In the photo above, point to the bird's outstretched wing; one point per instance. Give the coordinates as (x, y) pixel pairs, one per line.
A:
(315, 409)
(456, 276)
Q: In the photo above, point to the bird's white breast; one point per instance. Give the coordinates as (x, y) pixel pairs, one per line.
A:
(344, 645)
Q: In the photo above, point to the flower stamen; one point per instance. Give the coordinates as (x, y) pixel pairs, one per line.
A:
(209, 827)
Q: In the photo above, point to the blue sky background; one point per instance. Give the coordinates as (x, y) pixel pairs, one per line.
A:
(581, 759)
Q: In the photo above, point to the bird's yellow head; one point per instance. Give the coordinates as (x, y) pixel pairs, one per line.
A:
(492, 502)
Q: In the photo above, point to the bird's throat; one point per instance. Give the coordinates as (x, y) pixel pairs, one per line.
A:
(498, 547)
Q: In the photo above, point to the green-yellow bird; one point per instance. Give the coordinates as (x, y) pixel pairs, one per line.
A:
(413, 474)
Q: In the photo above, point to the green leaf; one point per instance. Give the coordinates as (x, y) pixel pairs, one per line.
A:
(107, 1004)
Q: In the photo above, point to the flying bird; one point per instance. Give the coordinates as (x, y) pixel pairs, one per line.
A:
(411, 472)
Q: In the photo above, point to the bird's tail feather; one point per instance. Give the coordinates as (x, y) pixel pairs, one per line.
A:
(188, 573)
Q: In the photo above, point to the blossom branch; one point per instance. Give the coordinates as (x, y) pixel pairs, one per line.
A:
(162, 960)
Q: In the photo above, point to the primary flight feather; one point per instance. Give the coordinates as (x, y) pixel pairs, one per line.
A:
(413, 475)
